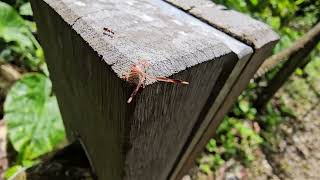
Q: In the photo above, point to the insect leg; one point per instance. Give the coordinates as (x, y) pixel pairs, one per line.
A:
(174, 81)
(141, 83)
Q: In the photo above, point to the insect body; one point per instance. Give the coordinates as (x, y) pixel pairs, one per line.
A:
(108, 32)
(137, 75)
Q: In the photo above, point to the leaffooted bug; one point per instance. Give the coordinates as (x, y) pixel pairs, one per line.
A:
(137, 75)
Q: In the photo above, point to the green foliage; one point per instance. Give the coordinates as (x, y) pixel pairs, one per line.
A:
(17, 40)
(34, 123)
(12, 171)
(290, 18)
(209, 162)
(275, 114)
(236, 137)
(12, 27)
(25, 9)
(31, 112)
(15, 3)
(313, 68)
(272, 117)
(244, 109)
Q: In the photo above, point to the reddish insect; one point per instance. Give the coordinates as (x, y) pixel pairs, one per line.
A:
(138, 75)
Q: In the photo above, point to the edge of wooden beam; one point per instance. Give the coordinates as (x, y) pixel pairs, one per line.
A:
(88, 20)
(247, 30)
(219, 43)
(237, 25)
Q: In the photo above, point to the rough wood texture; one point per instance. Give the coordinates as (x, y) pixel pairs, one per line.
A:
(242, 27)
(297, 55)
(142, 34)
(141, 140)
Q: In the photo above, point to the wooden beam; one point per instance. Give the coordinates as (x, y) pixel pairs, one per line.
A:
(141, 140)
(240, 26)
(297, 56)
(252, 32)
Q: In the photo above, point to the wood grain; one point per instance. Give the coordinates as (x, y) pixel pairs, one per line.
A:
(142, 140)
(159, 34)
(237, 25)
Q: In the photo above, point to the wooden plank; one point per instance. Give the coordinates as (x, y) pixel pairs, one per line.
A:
(141, 140)
(242, 27)
(237, 25)
(297, 56)
(141, 24)
(215, 115)
(279, 57)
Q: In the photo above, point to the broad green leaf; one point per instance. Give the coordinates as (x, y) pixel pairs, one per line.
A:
(13, 28)
(16, 33)
(34, 123)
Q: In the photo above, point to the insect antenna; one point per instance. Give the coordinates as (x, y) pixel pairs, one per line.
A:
(141, 82)
(174, 81)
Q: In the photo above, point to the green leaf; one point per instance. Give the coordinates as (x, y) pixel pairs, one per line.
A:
(32, 115)
(211, 146)
(254, 2)
(13, 28)
(218, 161)
(275, 22)
(244, 106)
(298, 72)
(12, 171)
(16, 33)
(25, 9)
(205, 168)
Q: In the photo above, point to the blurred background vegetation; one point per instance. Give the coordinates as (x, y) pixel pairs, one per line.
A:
(244, 131)
(29, 108)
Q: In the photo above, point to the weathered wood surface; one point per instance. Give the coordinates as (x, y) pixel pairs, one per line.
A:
(252, 32)
(297, 56)
(237, 25)
(167, 28)
(141, 140)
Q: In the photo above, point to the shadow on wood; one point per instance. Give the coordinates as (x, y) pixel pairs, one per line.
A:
(69, 163)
